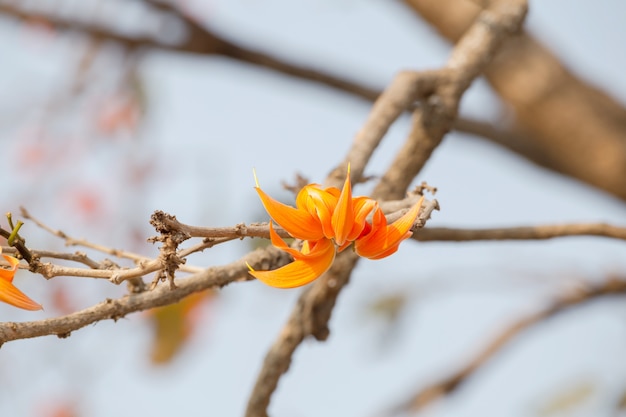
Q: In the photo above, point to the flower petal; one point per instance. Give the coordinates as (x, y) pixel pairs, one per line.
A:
(398, 229)
(391, 249)
(11, 295)
(7, 274)
(299, 223)
(343, 216)
(362, 208)
(374, 242)
(9, 292)
(281, 244)
(346, 244)
(322, 204)
(303, 200)
(306, 268)
(383, 239)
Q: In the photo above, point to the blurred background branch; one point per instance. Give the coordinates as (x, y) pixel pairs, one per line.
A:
(547, 101)
(567, 125)
(570, 298)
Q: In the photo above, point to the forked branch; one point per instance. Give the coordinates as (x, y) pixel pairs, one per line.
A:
(438, 93)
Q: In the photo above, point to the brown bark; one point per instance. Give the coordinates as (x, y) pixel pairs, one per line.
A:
(571, 127)
(562, 123)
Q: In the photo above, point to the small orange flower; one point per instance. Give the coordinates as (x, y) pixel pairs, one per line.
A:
(328, 221)
(9, 292)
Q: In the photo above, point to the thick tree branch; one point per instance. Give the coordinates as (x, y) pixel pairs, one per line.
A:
(405, 89)
(435, 116)
(314, 308)
(220, 276)
(571, 127)
(201, 40)
(309, 317)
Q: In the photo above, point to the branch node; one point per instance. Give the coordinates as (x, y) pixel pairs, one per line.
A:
(172, 234)
(420, 189)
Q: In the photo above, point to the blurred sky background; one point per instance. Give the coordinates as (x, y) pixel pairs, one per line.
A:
(207, 123)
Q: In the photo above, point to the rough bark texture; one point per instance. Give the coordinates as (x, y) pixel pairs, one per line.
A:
(571, 127)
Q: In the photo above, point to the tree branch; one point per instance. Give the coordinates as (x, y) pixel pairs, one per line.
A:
(313, 310)
(215, 277)
(449, 385)
(520, 233)
(201, 40)
(435, 116)
(550, 103)
(392, 209)
(395, 209)
(71, 241)
(309, 317)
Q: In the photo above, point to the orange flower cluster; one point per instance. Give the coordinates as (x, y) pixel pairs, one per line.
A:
(9, 292)
(328, 221)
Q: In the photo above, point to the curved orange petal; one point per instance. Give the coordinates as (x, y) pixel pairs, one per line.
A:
(9, 292)
(11, 295)
(302, 199)
(322, 205)
(299, 223)
(398, 229)
(346, 244)
(333, 191)
(362, 208)
(374, 242)
(306, 268)
(281, 244)
(7, 274)
(383, 239)
(391, 249)
(343, 216)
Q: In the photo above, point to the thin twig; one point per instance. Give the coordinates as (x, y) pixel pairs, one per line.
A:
(223, 234)
(115, 309)
(103, 270)
(79, 257)
(393, 210)
(204, 41)
(449, 385)
(71, 241)
(521, 233)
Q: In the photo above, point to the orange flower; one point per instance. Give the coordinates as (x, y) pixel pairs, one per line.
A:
(8, 292)
(328, 221)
